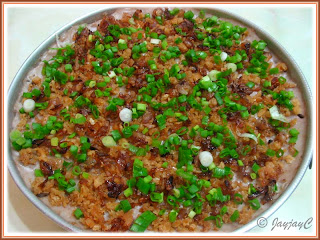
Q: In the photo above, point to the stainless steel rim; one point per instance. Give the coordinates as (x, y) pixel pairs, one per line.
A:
(272, 44)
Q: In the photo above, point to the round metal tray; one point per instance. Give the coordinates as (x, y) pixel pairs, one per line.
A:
(274, 47)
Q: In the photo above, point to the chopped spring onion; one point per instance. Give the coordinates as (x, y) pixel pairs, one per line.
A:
(267, 84)
(254, 203)
(274, 70)
(251, 189)
(176, 192)
(294, 132)
(128, 192)
(215, 194)
(156, 197)
(138, 169)
(206, 83)
(238, 198)
(173, 215)
(85, 175)
(161, 121)
(253, 176)
(15, 135)
(172, 200)
(76, 170)
(213, 75)
(21, 141)
(147, 179)
(54, 142)
(143, 186)
(192, 214)
(68, 67)
(235, 215)
(175, 11)
(143, 221)
(145, 130)
(223, 210)
(245, 150)
(193, 189)
(221, 172)
(108, 141)
(124, 205)
(255, 167)
(53, 132)
(195, 149)
(116, 135)
(188, 15)
(92, 84)
(142, 107)
(217, 218)
(282, 80)
(240, 163)
(270, 153)
(38, 173)
(122, 45)
(78, 213)
(79, 119)
(161, 212)
(165, 164)
(250, 84)
(294, 135)
(186, 175)
(211, 166)
(279, 153)
(182, 130)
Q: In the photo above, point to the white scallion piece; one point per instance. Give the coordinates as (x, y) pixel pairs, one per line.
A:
(131, 21)
(111, 74)
(125, 115)
(108, 141)
(231, 66)
(213, 75)
(274, 112)
(205, 158)
(205, 78)
(249, 135)
(223, 56)
(29, 105)
(155, 41)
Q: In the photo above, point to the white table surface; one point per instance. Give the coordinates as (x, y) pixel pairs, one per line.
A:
(28, 27)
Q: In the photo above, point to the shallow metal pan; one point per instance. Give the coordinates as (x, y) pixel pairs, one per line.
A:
(273, 45)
